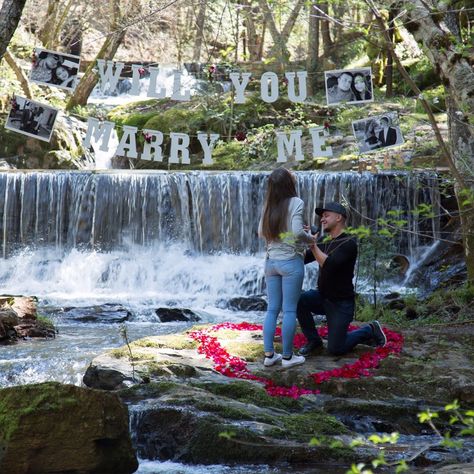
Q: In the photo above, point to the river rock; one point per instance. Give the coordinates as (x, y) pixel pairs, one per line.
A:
(168, 315)
(183, 410)
(249, 303)
(58, 428)
(236, 422)
(107, 313)
(18, 319)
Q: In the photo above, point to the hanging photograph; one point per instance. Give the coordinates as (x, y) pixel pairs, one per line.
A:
(54, 69)
(374, 133)
(350, 86)
(31, 118)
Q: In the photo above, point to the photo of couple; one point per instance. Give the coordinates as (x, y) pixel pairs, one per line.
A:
(373, 133)
(55, 69)
(32, 118)
(352, 86)
(290, 245)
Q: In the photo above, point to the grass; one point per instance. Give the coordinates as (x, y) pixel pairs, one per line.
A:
(443, 306)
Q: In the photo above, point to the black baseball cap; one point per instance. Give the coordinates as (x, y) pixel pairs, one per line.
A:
(332, 207)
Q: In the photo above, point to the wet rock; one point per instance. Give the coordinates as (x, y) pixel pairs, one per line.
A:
(9, 318)
(104, 378)
(168, 315)
(63, 428)
(250, 303)
(106, 313)
(456, 469)
(145, 359)
(18, 319)
(189, 423)
(27, 330)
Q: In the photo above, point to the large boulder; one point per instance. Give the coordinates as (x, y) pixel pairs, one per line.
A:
(58, 428)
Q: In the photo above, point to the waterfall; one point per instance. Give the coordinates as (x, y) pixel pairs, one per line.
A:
(206, 212)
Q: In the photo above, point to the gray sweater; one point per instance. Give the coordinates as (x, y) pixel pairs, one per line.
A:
(295, 240)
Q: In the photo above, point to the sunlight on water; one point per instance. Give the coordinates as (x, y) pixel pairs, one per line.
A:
(136, 276)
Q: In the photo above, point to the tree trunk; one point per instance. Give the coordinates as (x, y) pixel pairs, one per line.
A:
(253, 40)
(313, 50)
(279, 50)
(90, 78)
(47, 31)
(457, 75)
(389, 68)
(21, 76)
(325, 33)
(107, 52)
(10, 15)
(201, 18)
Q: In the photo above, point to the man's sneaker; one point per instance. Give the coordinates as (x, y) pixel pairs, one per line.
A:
(269, 361)
(310, 347)
(294, 360)
(378, 334)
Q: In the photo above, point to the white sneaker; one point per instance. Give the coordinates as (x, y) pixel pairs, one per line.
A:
(269, 361)
(295, 360)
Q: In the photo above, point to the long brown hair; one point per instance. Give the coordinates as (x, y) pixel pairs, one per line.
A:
(281, 188)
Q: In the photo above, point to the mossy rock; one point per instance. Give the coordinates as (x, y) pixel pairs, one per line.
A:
(208, 428)
(36, 422)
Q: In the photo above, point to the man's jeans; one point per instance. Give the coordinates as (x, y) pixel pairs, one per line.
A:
(339, 315)
(284, 280)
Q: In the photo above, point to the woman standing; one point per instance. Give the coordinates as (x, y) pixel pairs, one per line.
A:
(281, 226)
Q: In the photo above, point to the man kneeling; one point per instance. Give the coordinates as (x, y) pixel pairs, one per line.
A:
(335, 294)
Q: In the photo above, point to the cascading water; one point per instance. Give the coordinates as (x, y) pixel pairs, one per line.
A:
(206, 212)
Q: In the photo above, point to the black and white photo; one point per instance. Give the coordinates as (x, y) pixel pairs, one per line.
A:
(31, 118)
(351, 86)
(55, 69)
(374, 133)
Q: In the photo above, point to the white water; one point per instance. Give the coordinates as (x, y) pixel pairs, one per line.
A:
(134, 275)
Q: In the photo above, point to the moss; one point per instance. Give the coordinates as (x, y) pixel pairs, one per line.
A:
(230, 412)
(123, 352)
(149, 391)
(229, 155)
(250, 351)
(249, 393)
(172, 341)
(228, 442)
(167, 367)
(16, 402)
(45, 322)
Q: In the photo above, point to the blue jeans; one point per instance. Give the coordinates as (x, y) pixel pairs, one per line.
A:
(339, 314)
(284, 280)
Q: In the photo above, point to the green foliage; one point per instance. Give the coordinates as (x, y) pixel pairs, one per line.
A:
(45, 322)
(422, 72)
(436, 98)
(465, 427)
